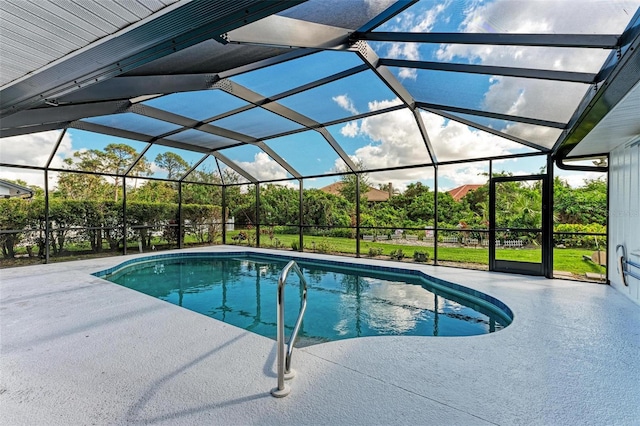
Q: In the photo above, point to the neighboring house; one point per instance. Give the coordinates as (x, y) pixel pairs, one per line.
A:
(9, 189)
(459, 192)
(373, 195)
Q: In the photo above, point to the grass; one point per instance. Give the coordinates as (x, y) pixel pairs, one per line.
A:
(569, 259)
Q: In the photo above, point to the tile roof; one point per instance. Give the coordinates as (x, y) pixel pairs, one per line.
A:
(459, 192)
(373, 194)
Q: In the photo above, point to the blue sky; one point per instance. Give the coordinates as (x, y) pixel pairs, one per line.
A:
(392, 139)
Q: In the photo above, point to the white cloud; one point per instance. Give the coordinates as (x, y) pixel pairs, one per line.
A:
(462, 174)
(394, 140)
(549, 16)
(34, 150)
(410, 22)
(577, 179)
(398, 178)
(408, 73)
(264, 167)
(345, 103)
(378, 105)
(31, 177)
(545, 136)
(522, 96)
(453, 140)
(350, 129)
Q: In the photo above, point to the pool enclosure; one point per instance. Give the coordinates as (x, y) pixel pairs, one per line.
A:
(236, 108)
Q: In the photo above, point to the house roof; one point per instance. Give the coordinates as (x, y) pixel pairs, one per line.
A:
(373, 194)
(15, 190)
(459, 192)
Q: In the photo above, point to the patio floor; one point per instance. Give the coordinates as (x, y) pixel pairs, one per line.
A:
(76, 349)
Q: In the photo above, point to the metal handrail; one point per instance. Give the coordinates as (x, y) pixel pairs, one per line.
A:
(623, 265)
(284, 360)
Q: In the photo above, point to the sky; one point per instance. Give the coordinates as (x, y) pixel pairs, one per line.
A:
(392, 139)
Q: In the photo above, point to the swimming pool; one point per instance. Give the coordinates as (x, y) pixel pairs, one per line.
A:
(345, 300)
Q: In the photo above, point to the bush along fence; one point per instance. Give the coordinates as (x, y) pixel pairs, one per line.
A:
(96, 226)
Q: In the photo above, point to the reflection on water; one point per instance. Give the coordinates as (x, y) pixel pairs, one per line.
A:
(341, 303)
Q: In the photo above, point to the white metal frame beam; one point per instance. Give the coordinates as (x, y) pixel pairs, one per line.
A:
(591, 41)
(45, 115)
(495, 115)
(488, 130)
(229, 163)
(538, 74)
(281, 31)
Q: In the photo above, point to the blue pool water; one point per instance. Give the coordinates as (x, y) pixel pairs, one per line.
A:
(343, 302)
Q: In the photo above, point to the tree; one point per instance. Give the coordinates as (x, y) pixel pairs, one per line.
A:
(584, 205)
(322, 209)
(174, 164)
(414, 190)
(349, 183)
(115, 160)
(153, 191)
(81, 186)
(475, 207)
(449, 210)
(388, 186)
(279, 205)
(197, 193)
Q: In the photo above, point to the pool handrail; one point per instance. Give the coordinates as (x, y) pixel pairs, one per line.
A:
(284, 360)
(623, 266)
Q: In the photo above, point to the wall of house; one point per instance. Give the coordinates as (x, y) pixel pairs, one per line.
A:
(624, 213)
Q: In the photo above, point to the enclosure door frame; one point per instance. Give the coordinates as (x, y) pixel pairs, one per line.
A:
(544, 267)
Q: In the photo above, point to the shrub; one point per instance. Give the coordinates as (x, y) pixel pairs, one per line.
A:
(397, 254)
(322, 247)
(285, 229)
(14, 216)
(325, 247)
(341, 233)
(294, 245)
(420, 256)
(585, 241)
(375, 251)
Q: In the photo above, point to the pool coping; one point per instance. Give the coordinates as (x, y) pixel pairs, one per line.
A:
(569, 356)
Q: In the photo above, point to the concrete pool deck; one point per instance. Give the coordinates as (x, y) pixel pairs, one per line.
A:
(76, 349)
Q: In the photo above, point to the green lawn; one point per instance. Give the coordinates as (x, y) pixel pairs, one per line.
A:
(569, 260)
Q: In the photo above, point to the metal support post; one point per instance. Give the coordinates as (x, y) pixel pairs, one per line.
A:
(435, 214)
(257, 214)
(547, 220)
(492, 220)
(47, 226)
(357, 215)
(180, 218)
(224, 214)
(124, 215)
(300, 216)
